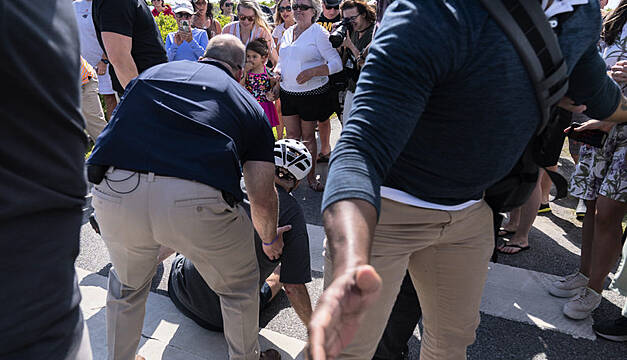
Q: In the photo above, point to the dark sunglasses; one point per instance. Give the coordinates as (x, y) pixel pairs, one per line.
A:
(285, 8)
(336, 7)
(351, 18)
(301, 7)
(228, 4)
(249, 18)
(184, 16)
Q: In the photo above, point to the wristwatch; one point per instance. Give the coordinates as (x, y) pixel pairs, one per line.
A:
(105, 61)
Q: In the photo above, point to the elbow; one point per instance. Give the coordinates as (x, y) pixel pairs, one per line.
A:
(334, 67)
(116, 58)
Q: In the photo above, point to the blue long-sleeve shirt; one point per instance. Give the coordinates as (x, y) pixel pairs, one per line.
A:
(187, 50)
(444, 107)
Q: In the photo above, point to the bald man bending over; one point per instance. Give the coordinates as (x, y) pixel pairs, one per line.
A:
(179, 187)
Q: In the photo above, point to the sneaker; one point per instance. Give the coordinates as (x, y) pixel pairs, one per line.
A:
(583, 304)
(615, 330)
(270, 354)
(580, 211)
(544, 208)
(569, 286)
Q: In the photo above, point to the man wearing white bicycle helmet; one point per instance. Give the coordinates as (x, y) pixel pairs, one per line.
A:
(285, 264)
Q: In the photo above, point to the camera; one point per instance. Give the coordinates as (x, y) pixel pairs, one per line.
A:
(337, 37)
(186, 26)
(594, 138)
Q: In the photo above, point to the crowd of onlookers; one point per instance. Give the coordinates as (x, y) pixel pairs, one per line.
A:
(298, 88)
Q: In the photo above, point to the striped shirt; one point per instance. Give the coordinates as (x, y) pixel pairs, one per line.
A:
(87, 72)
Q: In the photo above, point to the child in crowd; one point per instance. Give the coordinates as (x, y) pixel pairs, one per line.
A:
(259, 81)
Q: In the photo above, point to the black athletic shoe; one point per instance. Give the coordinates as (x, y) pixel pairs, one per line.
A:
(614, 330)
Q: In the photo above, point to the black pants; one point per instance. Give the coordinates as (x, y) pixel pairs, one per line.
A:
(39, 301)
(401, 324)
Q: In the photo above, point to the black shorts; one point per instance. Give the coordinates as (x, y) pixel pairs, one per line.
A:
(314, 105)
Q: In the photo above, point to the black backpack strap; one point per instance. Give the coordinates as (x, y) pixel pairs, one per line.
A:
(525, 24)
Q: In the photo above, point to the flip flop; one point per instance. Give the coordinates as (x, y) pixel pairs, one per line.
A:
(544, 208)
(522, 248)
(322, 158)
(503, 232)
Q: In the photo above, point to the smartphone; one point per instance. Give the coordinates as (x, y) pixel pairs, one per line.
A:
(594, 138)
(186, 26)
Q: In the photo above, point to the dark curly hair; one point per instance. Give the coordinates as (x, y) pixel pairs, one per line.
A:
(259, 45)
(614, 22)
(362, 8)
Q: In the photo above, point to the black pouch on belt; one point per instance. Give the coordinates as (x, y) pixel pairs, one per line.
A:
(229, 198)
(95, 173)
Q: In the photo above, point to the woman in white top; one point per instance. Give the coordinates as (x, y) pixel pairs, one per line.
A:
(250, 26)
(283, 19)
(306, 58)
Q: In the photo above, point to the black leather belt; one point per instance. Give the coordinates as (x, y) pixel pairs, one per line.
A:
(95, 174)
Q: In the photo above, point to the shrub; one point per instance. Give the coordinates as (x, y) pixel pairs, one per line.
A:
(166, 24)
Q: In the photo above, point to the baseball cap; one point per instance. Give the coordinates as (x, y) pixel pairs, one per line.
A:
(183, 6)
(332, 2)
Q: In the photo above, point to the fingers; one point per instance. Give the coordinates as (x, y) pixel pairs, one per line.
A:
(588, 125)
(367, 280)
(283, 229)
(567, 103)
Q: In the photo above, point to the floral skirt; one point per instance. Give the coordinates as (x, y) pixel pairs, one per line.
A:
(603, 171)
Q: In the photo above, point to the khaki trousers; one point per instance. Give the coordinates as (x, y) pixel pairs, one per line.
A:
(137, 213)
(447, 255)
(92, 109)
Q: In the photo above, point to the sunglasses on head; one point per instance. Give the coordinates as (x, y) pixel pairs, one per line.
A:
(248, 18)
(301, 7)
(200, 2)
(183, 15)
(285, 8)
(336, 7)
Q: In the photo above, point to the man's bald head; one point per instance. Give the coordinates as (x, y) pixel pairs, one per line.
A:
(227, 48)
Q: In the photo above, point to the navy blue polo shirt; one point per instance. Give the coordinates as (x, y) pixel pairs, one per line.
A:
(189, 120)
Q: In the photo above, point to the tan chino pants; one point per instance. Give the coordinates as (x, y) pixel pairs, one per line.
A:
(92, 109)
(447, 255)
(137, 213)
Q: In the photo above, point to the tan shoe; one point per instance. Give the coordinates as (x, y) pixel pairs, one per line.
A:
(270, 354)
(139, 357)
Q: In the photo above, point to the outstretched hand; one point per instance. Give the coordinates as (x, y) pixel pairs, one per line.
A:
(340, 310)
(592, 124)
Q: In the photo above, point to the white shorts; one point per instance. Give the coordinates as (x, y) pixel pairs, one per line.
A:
(104, 84)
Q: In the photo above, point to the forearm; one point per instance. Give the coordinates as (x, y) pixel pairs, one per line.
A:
(620, 115)
(264, 213)
(171, 51)
(125, 70)
(320, 70)
(299, 298)
(349, 225)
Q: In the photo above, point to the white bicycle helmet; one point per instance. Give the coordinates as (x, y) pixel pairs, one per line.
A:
(293, 156)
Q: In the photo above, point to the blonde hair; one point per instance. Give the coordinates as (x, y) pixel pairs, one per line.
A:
(259, 15)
